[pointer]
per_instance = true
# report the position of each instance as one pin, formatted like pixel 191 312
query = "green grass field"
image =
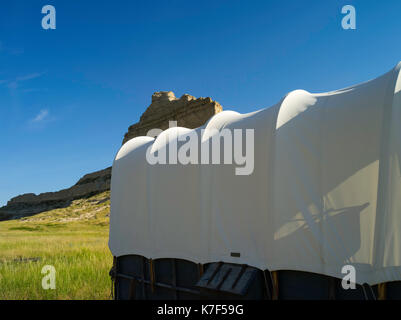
pixel 72 239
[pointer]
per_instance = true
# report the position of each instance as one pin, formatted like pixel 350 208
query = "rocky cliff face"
pixel 29 204
pixel 188 111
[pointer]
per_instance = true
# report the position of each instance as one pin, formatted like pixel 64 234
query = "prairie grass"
pixel 72 239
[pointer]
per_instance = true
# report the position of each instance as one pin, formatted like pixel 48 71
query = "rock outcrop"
pixel 30 203
pixel 188 111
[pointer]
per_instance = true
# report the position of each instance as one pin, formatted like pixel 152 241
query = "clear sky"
pixel 67 96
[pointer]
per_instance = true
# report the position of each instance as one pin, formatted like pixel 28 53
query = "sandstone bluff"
pixel 188 111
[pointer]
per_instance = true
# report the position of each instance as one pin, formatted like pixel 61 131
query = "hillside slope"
pixel 30 204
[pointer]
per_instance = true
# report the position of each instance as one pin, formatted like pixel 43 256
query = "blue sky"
pixel 67 96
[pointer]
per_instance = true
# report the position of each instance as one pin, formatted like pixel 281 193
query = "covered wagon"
pixel 318 196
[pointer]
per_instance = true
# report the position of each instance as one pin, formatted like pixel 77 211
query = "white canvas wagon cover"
pixel 325 190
